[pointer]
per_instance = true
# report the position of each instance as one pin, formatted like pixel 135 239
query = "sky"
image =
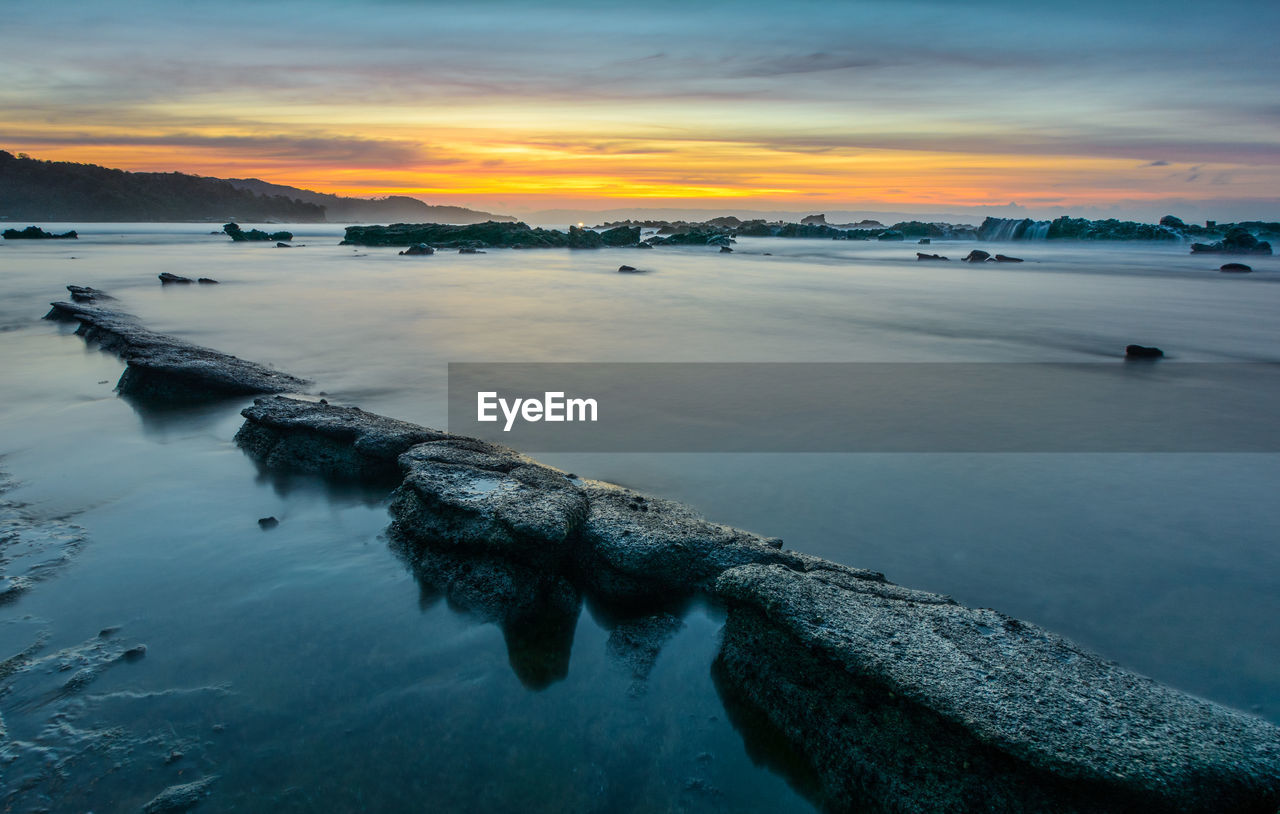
pixel 1095 108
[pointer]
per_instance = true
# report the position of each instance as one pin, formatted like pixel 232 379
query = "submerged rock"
pixel 726 250
pixel 1237 267
pixel 267 523
pixel 625 268
pixel 1004 258
pixel 167 369
pixel 909 701
pixel 207 281
pixel 923 256
pixel 977 256
pixel 420 248
pixel 180 798
pixel 1142 352
pixel 168 278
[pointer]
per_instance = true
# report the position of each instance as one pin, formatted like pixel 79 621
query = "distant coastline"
pixel 59 191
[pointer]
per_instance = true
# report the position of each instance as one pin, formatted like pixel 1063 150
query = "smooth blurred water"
pixel 306 667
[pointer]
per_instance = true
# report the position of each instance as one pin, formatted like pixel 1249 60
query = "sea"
pixel 152 634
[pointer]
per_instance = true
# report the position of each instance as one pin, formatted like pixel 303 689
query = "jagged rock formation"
pixel 899 698
pixel 167 369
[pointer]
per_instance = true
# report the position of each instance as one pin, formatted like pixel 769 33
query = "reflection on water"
pixel 319 664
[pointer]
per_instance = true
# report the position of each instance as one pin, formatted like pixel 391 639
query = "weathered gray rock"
pixel 900 699
pixel 310 436
pixel 167 369
pixel 908 701
pixel 482 498
pixel 647 550
pixel 85 294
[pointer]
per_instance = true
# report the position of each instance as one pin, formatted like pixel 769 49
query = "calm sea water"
pixel 305 666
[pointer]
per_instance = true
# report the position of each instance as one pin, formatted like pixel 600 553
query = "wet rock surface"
pixel 320 437
pixel 889 695
pixel 931 705
pixel 167 369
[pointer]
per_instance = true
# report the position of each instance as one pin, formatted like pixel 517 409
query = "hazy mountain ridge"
pixel 35 190
pixel 393 208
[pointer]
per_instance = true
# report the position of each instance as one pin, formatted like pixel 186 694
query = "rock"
pixel 85 294
pixel 167 278
pixel 726 250
pixel 1237 267
pixel 646 550
pixel 494 503
pixel 977 256
pixel 1004 258
pixel 1142 352
pixel 488 235
pixel 293 435
pixel 923 256
pixel 233 231
pixel 469 250
pixel 898 699
pixel 1237 241
pixel 163 368
pixel 627 268
pixel 266 523
pixel 814 220
pixel 180 798
pixel 36 233
pixel 906 701
pixel 924 241
pixel 135 653
pixel 283 245
pixel 207 281
pixel 419 248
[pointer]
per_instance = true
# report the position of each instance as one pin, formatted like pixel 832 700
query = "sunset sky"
pixel 913 106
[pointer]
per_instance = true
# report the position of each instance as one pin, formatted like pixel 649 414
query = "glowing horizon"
pixel 910 105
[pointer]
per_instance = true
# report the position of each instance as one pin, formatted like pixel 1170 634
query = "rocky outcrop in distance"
pixel 165 369
pixel 1238 240
pixel 233 231
pixel 492 234
pixel 36 233
pixel 897 698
